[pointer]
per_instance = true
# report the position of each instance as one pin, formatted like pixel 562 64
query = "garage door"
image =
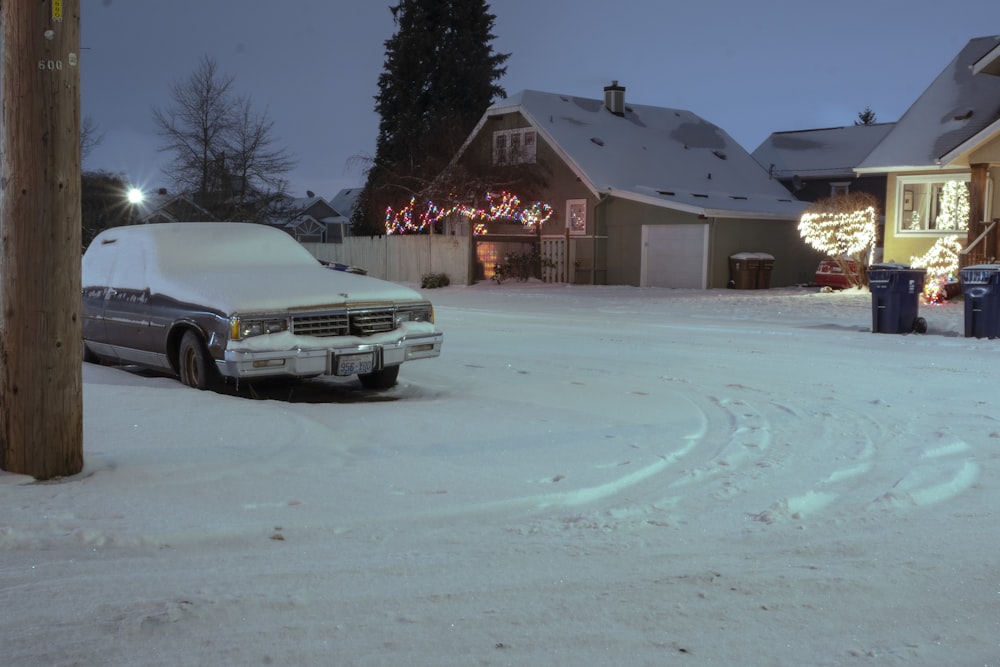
pixel 674 256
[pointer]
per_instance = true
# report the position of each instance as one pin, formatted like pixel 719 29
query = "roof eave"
pixel 989 132
pixel 900 168
pixel 989 63
pixel 698 210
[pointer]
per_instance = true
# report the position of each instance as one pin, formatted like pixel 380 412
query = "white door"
pixel 674 256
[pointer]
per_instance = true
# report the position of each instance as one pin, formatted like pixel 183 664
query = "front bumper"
pixel 312 361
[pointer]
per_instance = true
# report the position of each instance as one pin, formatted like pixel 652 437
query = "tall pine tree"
pixel 440 75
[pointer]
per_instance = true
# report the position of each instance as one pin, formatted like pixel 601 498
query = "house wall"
pixel 814 189
pixel 557 184
pixel 795 262
pixel 989 153
pixel 903 247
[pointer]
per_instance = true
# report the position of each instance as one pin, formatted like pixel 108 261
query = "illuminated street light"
pixel 134 196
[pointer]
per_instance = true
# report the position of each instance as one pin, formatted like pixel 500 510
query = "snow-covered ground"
pixel 586 476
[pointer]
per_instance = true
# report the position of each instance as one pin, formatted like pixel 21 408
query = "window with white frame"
pixel 840 188
pixel 514 146
pixel 932 204
pixel 576 216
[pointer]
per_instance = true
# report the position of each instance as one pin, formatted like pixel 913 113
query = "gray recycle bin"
pixel 981 293
pixel 896 290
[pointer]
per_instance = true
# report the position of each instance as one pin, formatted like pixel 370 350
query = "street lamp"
pixel 134 196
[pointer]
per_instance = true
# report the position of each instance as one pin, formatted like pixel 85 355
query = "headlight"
pixel 423 312
pixel 240 328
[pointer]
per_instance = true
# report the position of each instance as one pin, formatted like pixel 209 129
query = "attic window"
pixel 965 116
pixel 597 140
pixel 719 154
pixel 514 146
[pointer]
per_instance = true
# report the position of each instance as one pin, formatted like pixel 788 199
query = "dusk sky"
pixel 752 68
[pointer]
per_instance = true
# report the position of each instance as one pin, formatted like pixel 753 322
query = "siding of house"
pixel 560 185
pixel 794 263
pixel 903 248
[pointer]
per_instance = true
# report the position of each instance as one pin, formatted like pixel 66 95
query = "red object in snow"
pixel 829 274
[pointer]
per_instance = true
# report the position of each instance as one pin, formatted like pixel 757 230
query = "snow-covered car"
pixel 211 302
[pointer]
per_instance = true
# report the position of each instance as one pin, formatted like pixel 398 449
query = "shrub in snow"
pixel 433 280
pixel 843 227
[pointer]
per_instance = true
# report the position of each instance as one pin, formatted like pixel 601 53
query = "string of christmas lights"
pixel 503 206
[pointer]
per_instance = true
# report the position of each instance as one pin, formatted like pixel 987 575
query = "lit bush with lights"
pixel 843 227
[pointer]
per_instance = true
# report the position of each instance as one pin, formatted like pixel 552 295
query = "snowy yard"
pixel 586 476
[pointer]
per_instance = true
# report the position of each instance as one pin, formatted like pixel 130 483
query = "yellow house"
pixel 947 143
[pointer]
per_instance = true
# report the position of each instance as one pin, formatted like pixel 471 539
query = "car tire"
pixel 383 379
pixel 89 357
pixel 194 364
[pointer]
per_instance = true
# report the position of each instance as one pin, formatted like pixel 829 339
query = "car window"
pixel 115 262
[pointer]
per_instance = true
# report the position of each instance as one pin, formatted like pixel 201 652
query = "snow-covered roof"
pixel 821 153
pixel 663 157
pixel 345 200
pixel 957 107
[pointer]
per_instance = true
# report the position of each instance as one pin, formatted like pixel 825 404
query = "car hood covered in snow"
pixel 231 267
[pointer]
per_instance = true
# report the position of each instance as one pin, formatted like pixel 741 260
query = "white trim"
pixel 570 205
pixel 923 179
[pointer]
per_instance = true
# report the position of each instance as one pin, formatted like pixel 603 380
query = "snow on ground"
pixel 586 476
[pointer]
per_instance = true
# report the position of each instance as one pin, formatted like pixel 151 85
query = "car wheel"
pixel 88 356
pixel 194 363
pixel 382 379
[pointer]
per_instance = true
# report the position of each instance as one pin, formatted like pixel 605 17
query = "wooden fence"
pixel 402 258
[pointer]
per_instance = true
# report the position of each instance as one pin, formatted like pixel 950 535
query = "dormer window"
pixel 514 146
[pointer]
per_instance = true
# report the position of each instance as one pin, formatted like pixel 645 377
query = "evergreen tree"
pixel 440 75
pixel 866 117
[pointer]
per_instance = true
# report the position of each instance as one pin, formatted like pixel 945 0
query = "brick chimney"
pixel 614 98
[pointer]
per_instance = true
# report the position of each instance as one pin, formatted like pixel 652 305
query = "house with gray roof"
pixel 950 134
pixel 820 163
pixel 644 195
pixel 345 201
pixel 312 219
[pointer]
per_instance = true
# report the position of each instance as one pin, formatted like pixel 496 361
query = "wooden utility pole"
pixel 41 401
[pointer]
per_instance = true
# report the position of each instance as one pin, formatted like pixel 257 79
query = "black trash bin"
pixel 743 269
pixel 981 293
pixel 896 290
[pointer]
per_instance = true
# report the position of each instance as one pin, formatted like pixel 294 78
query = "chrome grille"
pixel 320 324
pixel 340 323
pixel 368 322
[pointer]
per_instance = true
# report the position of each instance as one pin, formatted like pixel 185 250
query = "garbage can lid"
pixel 889 266
pixel 751 255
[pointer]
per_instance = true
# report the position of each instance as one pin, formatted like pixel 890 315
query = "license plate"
pixel 353 364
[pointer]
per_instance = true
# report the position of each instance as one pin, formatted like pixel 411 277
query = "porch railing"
pixel 981 251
